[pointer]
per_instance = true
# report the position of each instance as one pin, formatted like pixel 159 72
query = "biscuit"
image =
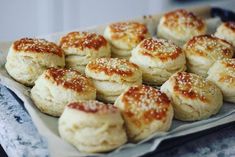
pixel 145 110
pixel 82 47
pixel 28 58
pixel 55 88
pixel 193 97
pixel 222 73
pixel 111 76
pixel 158 60
pixel 92 126
pixel 226 31
pixel 180 26
pixel 124 36
pixel 202 51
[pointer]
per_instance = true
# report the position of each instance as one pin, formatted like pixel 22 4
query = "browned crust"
pixel 83 40
pixel 185 83
pixel 191 20
pixel 111 66
pixel 37 46
pixel 227 78
pixel 69 79
pixel 160 49
pixel 144 104
pixel 120 29
pixel 227 74
pixel 229 63
pixel 92 106
pixel 230 25
pixel 209 42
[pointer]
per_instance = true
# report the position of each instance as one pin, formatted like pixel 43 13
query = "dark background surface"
pixel 2 152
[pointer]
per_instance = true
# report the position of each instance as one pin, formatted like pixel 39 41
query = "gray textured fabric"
pixel 18 135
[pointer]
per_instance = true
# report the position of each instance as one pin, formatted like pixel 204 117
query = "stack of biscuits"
pixel 103 87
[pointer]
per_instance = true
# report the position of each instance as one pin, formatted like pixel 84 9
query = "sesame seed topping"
pixel 112 66
pixel 229 63
pixel 132 30
pixel 70 79
pixel 228 75
pixel 160 48
pixel 183 20
pixel 93 106
pixel 37 46
pixel 209 45
pixel 145 102
pixel 82 40
pixel 192 86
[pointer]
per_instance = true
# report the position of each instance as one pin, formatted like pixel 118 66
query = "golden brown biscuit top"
pixel 160 48
pixel 111 66
pixel 229 63
pixel 70 79
pixel 228 75
pixel 209 45
pixel 37 46
pixel 93 106
pixel 132 29
pixel 192 86
pixel 82 40
pixel 145 104
pixel 181 19
pixel 230 25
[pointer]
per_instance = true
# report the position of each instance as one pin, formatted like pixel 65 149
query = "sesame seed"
pixel 133 30
pixel 113 66
pixel 37 46
pixel 192 86
pixel 183 21
pixel 210 46
pixel 71 79
pixel 93 106
pixel 142 99
pixel 82 40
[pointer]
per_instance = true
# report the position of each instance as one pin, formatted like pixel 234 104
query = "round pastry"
pixel 202 51
pixel 222 73
pixel 180 25
pixel 111 76
pixel 193 97
pixel 226 31
pixel 28 58
pixel 124 36
pixel 145 110
pixel 158 60
pixel 82 47
pixel 55 88
pixel 92 126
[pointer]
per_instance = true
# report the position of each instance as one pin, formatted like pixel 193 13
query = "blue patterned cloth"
pixel 18 135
